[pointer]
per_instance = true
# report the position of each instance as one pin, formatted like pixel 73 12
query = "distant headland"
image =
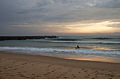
pixel 2 38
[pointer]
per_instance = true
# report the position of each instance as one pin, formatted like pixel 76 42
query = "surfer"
pixel 77 47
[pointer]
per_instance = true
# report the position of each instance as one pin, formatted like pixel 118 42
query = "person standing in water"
pixel 77 46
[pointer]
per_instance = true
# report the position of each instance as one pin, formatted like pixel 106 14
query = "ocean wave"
pixel 103 38
pixel 88 42
pixel 84 38
pixel 32 50
pixel 65 39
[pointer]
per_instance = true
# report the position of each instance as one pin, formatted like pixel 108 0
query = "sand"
pixel 22 66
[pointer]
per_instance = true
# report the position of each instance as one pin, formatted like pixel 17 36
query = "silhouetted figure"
pixel 77 47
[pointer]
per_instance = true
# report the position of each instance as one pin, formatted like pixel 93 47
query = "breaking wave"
pixel 38 51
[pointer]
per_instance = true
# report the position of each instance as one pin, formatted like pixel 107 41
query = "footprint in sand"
pixel 79 72
pixel 65 77
pixel 52 71
pixel 85 71
pixel 73 75
pixel 46 73
pixel 24 63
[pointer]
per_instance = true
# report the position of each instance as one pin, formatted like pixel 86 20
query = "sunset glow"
pixel 59 17
pixel 99 27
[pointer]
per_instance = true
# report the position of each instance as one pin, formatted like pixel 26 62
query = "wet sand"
pixel 22 66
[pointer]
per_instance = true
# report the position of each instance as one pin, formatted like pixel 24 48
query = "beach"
pixel 59 39
pixel 24 66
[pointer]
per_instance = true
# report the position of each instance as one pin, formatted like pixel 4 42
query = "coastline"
pixel 23 66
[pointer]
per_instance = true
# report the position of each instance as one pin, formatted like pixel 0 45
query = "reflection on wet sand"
pixel 104 48
pixel 94 58
pixel 84 57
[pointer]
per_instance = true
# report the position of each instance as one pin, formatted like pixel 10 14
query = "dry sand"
pixel 21 66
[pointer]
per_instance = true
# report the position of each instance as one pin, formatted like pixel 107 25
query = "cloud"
pixel 89 27
pixel 35 12
pixel 52 10
pixel 109 4
pixel 117 25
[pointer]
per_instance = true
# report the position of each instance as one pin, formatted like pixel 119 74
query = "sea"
pixel 102 48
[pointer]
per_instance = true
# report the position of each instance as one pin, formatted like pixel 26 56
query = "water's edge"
pixel 90 55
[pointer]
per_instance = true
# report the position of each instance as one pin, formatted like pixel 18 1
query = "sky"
pixel 59 17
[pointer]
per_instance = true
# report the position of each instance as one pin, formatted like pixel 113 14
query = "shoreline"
pixel 106 59
pixel 43 67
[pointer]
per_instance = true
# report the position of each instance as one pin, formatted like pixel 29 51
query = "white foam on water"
pixel 65 51
pixel 102 42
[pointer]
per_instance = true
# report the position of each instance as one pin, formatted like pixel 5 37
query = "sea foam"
pixel 32 50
